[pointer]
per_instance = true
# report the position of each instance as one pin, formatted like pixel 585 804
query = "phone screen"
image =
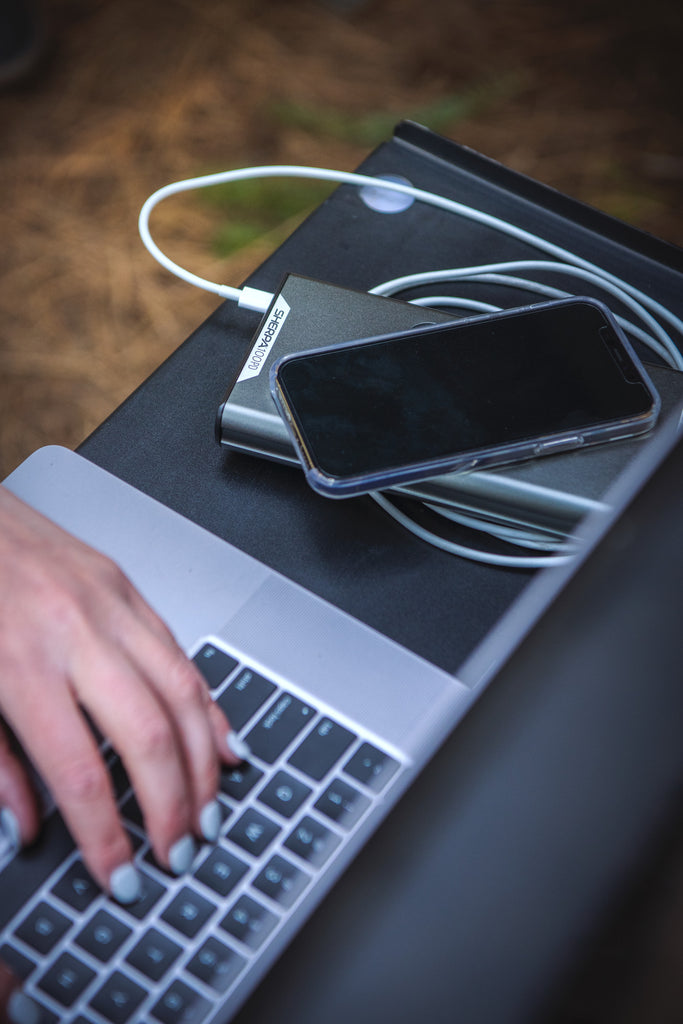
pixel 431 394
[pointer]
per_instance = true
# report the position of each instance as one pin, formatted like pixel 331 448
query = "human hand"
pixel 75 637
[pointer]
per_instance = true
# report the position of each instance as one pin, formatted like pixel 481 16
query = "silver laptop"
pixel 338 717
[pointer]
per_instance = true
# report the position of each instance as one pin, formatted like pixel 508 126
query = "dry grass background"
pixel 582 95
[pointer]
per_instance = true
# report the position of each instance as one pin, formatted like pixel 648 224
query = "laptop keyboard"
pixel 176 954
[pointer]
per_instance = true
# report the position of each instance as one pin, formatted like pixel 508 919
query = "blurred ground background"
pixel 583 95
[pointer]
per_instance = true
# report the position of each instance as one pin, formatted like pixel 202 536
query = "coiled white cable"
pixel 474 555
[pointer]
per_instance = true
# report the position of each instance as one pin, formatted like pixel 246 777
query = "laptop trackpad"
pixel 342 662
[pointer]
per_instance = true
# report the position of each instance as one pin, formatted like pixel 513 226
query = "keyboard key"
pixel 221 871
pixel 216 965
pixel 152 891
pixel 226 811
pixel 322 748
pixel 312 841
pixel 284 794
pixel 37 862
pixel 342 803
pixel 239 782
pixel 245 695
pixel 118 999
pixel 66 979
pixel 180 1004
pixel 43 928
pixel 154 954
pixel 76 887
pixel 131 811
pixel 283 720
pixel 188 912
pixel 103 935
pixel 135 841
pixel 45 1016
pixel 371 766
pixel 282 881
pixel 18 964
pixel 119 777
pixel 253 832
pixel 215 665
pixel 250 922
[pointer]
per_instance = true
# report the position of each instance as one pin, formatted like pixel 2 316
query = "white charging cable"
pixel 651 313
pixel 254 298
pixel 564 553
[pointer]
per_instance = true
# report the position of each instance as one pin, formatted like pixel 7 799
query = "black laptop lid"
pixel 480 890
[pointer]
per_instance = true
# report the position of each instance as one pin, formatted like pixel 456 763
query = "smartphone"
pixel 477 392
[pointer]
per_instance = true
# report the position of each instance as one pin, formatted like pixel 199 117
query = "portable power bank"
pixel 550 495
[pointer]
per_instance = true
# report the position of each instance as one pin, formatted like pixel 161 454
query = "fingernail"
pixel 210 821
pixel 9 828
pixel 125 884
pixel 22 1010
pixel 239 747
pixel 181 855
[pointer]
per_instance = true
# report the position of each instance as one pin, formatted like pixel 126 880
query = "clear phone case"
pixel 335 484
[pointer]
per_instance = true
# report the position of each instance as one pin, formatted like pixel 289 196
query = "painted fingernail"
pixel 22 1010
pixel 210 821
pixel 181 855
pixel 125 884
pixel 9 829
pixel 239 747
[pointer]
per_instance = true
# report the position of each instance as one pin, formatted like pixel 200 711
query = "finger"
pixel 125 705
pixel 230 746
pixel 69 760
pixel 183 694
pixel 181 689
pixel 19 816
pixel 186 700
pixel 206 736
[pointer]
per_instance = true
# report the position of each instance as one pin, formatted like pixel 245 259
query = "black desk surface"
pixel 162 440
